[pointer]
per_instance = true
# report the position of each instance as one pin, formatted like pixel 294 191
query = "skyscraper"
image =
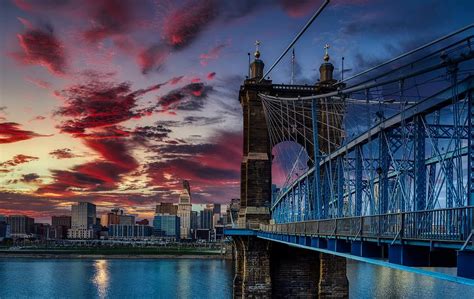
pixel 20 225
pixel 184 211
pixel 207 217
pixel 83 220
pixel 166 208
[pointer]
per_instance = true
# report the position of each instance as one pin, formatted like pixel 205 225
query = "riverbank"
pixel 114 256
pixel 115 253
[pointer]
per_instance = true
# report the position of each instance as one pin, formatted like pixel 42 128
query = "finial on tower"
pixel 257 49
pixel 326 55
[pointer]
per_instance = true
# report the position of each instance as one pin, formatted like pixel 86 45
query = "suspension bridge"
pixel 378 167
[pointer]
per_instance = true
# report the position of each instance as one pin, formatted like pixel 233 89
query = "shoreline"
pixel 112 256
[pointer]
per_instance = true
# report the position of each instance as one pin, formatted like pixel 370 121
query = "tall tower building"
pixel 184 211
pixel 83 215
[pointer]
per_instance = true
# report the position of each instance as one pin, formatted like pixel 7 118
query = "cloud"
pixel 17 160
pixel 190 97
pixel 211 167
pixel 30 178
pixel 153 58
pixel 183 24
pixel 41 47
pixel 63 153
pixel 39 83
pixel 98 104
pixel 212 54
pixel 211 76
pixel 109 18
pixel 11 132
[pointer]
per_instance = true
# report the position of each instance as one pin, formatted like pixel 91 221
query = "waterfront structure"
pixel 21 226
pixel 83 221
pixel 166 208
pixel 203 234
pixel 184 211
pixel 126 231
pixel 168 226
pixel 395 187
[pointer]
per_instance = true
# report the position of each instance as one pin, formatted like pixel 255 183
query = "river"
pixel 187 278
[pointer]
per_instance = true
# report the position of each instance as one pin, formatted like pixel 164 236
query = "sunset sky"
pixel 117 101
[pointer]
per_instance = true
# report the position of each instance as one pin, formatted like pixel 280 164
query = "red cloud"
pixel 18 159
pixel 41 47
pixel 109 17
pixel 153 58
pixel 211 76
pixel 63 153
pixel 213 54
pixel 38 82
pixel 183 24
pixel 11 132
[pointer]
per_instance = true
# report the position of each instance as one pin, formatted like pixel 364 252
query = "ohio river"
pixel 187 278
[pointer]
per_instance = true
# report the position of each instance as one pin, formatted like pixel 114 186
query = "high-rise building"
pixel 20 225
pixel 113 217
pixel 5 231
pixel 184 211
pixel 61 221
pixel 166 208
pixel 126 219
pixel 194 220
pixel 207 217
pixel 217 208
pixel 167 226
pixel 83 221
pixel 83 215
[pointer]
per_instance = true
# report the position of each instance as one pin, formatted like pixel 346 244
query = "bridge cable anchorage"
pixel 297 37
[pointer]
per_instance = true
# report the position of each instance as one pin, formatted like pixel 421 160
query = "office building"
pixel 167 226
pixel 194 220
pixel 126 219
pixel 5 231
pixel 61 221
pixel 184 211
pixel 217 208
pixel 83 215
pixel 21 226
pixel 83 221
pixel 207 216
pixel 126 231
pixel 166 208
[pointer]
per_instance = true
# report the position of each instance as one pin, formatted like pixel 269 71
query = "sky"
pixel 117 101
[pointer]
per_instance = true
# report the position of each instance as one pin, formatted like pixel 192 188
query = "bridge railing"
pixel 451 224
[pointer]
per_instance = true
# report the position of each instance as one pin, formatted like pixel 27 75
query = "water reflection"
pixel 101 277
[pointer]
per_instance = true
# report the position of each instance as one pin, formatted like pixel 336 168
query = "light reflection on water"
pixel 187 278
pixel 101 277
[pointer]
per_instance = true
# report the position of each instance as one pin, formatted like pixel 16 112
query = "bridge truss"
pixel 393 142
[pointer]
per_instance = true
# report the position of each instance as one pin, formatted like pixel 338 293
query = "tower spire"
pixel 256 67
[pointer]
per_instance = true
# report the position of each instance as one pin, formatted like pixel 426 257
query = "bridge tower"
pixel 265 269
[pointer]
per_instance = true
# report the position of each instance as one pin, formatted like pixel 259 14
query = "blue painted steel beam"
pixel 377 262
pixel 358 181
pixel 420 168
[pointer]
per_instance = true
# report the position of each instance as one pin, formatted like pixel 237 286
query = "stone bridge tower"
pixel 264 269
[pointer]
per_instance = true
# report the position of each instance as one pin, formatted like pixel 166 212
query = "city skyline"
pixel 116 103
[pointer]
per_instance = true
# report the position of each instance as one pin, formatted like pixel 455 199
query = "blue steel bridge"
pixel 379 167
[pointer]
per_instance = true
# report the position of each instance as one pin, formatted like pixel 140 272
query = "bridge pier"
pixel 252 268
pixel 265 269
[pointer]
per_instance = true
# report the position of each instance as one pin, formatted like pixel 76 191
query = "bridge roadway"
pixel 398 240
